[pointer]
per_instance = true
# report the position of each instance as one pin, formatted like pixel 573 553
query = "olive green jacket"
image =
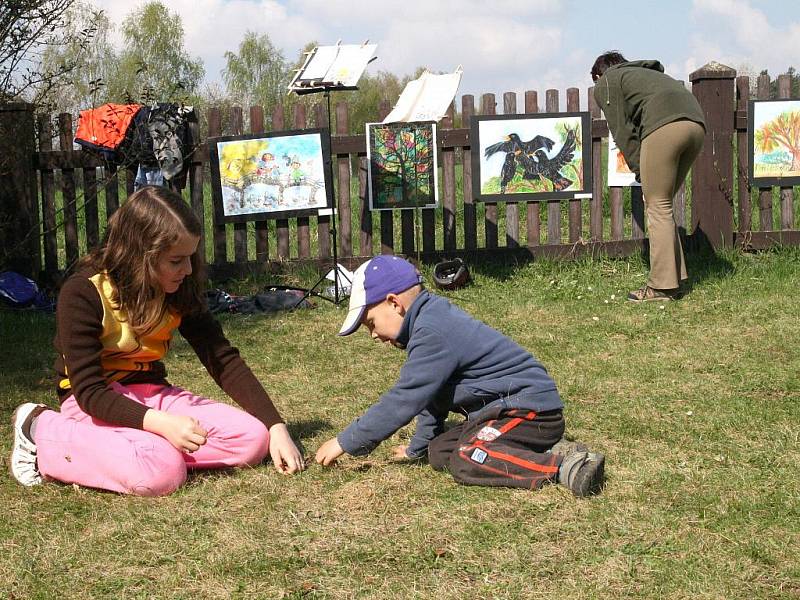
pixel 637 98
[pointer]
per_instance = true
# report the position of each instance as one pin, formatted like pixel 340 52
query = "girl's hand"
pixel 183 432
pixel 329 452
pixel 285 455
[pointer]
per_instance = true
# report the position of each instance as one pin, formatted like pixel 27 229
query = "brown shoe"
pixel 648 294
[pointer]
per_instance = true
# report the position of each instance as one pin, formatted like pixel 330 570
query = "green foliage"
pixel 257 74
pixel 154 66
pixel 28 28
pixel 96 61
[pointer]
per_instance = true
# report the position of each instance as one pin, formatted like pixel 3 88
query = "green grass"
pixel 694 403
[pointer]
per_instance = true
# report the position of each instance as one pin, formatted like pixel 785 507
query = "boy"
pixel 512 435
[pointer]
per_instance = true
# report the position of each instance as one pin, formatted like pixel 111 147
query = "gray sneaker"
pixel 565 446
pixel 23 455
pixel 582 472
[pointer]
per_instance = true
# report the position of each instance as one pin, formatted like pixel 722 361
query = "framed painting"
pixel 619 173
pixel 531 157
pixel 270 175
pixel 773 132
pixel 402 169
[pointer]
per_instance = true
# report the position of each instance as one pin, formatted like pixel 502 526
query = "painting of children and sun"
pixel 270 175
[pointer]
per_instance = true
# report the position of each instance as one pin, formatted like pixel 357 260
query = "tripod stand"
pixel 334 242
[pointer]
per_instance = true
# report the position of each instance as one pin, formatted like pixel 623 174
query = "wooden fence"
pixel 605 223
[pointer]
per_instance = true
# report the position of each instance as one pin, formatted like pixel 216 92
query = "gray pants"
pixel 666 156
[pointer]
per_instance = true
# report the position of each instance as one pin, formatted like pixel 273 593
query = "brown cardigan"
pixel 81 354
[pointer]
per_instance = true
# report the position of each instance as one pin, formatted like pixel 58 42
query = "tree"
pixel 403 165
pixel 96 61
pixel 27 29
pixel 258 74
pixel 781 132
pixel 154 66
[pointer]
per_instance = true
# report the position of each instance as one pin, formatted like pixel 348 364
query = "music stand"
pixel 327 69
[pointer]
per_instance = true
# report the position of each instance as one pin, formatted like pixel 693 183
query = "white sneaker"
pixel 23 455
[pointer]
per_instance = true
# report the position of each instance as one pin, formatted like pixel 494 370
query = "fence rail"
pixel 77 192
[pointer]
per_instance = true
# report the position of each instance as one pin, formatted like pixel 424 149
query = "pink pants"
pixel 74 447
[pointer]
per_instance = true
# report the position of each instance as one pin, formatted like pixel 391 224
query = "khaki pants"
pixel 666 156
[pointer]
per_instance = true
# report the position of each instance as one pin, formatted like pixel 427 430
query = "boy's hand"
pixel 399 453
pixel 285 455
pixel 329 452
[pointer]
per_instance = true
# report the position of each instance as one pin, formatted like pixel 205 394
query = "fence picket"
pixel 575 215
pixel 281 225
pixel 534 209
pixel 490 215
pixel 764 194
pixel 449 186
pixel 195 185
pixel 69 199
pixel 596 203
pixel 48 198
pixel 303 240
pixel 343 163
pixel 512 208
pixel 220 242
pixel 262 225
pixel 239 229
pixel 742 153
pixel 470 216
pixel 554 206
pixel 786 192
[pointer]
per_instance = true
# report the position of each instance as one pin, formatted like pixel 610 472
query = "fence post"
pixel 712 175
pixel 19 211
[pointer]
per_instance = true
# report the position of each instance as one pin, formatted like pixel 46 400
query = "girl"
pixel 122 426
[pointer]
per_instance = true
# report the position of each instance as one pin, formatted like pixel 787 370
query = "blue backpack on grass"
pixel 17 291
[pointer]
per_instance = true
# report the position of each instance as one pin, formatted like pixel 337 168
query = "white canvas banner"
pixel 426 98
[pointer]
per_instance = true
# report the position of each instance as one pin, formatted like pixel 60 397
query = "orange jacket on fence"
pixel 105 127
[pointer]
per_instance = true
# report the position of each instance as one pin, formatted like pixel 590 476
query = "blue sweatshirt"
pixel 455 363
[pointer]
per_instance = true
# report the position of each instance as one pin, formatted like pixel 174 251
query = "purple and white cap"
pixel 372 281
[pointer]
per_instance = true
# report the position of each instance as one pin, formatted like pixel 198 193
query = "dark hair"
pixel 139 232
pixel 605 60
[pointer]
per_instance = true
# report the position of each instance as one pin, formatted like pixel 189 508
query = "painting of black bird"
pixel 513 146
pixel 538 164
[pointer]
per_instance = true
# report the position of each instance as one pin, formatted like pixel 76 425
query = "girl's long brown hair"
pixel 146 226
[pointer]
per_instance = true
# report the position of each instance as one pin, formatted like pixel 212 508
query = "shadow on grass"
pixel 307 428
pixel 703 264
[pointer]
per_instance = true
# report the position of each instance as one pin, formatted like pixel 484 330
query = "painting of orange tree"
pixel 776 141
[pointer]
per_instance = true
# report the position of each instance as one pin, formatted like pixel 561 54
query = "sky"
pixel 502 45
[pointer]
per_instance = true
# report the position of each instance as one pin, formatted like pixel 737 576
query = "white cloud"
pixel 735 32
pixel 504 45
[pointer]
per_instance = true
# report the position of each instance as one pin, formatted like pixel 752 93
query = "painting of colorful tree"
pixel 776 139
pixel 402 165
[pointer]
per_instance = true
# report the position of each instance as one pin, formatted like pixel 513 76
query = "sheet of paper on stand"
pixel 345 279
pixel 339 66
pixel 427 98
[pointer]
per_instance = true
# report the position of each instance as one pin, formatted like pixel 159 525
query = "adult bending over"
pixel 659 128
